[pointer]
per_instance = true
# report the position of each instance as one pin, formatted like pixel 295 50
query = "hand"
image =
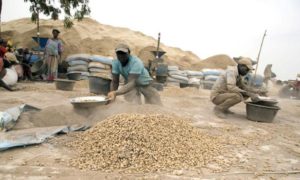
pixel 254 98
pixel 262 92
pixel 111 95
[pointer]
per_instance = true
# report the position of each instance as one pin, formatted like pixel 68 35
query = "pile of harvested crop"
pixel 144 143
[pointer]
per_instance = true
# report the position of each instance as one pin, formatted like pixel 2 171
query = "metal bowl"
pixel 266 101
pixel 89 101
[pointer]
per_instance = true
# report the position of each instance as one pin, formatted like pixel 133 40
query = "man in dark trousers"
pixel 137 78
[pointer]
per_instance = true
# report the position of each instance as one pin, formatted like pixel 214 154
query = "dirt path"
pixel 254 150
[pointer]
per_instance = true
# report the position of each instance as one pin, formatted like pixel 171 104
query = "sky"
pixel 206 27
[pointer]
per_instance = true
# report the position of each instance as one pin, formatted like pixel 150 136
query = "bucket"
pixel 64 84
pixel 161 79
pixel 183 85
pixel 162 69
pixel 38 67
pixel 74 76
pixel 261 113
pixel 99 85
pixel 197 86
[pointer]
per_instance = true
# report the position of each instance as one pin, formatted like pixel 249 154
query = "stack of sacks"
pixel 256 81
pixel 78 63
pixel 211 74
pixel 194 81
pixel 177 76
pixel 100 66
pixel 195 77
pixel 210 77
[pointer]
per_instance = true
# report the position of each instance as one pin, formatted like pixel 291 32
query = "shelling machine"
pixel 158 69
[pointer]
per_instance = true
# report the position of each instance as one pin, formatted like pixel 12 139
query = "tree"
pixel 73 9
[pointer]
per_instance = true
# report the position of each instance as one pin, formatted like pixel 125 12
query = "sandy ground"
pixel 254 150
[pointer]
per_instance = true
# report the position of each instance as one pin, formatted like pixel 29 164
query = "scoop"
pixel 89 101
pixel 267 101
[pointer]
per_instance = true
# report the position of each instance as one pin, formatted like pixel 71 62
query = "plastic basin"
pixel 74 76
pixel 99 85
pixel 38 67
pixel 261 113
pixel 183 85
pixel 64 84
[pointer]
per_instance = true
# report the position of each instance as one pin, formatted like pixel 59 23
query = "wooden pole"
pixel 158 43
pixel 257 59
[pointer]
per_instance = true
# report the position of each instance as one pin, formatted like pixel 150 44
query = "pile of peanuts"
pixel 144 143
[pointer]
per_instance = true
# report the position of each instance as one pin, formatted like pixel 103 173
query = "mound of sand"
pixel 144 143
pixel 89 36
pixel 146 55
pixel 215 62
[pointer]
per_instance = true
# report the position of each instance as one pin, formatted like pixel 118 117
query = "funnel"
pixel 159 53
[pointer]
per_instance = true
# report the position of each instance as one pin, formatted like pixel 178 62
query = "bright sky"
pixel 206 27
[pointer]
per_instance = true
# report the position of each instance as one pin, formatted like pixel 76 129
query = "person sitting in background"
pixel 230 90
pixel 3 49
pixel 53 52
pixel 10 56
pixel 137 78
pixel 268 74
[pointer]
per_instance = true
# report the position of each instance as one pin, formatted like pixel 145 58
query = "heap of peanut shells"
pixel 144 143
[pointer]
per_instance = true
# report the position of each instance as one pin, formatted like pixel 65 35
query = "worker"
pixel 267 73
pixel 137 78
pixel 230 90
pixel 3 47
pixel 53 52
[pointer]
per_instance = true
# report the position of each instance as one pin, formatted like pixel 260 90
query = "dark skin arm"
pixel 4 85
pixel 129 86
pixel 115 82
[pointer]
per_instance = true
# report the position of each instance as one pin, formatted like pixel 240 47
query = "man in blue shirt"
pixel 137 78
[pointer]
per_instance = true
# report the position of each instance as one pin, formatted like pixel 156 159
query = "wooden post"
pixel 257 59
pixel 158 43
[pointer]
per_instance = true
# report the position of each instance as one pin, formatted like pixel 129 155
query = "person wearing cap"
pixel 230 90
pixel 53 52
pixel 137 78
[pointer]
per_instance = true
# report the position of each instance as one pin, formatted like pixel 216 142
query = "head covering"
pixel 55 30
pixel 123 48
pixel 247 62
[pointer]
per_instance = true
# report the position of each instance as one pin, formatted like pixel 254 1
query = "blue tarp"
pixel 33 58
pixel 32 136
pixel 43 42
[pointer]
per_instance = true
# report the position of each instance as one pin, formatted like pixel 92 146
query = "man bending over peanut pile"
pixel 137 78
